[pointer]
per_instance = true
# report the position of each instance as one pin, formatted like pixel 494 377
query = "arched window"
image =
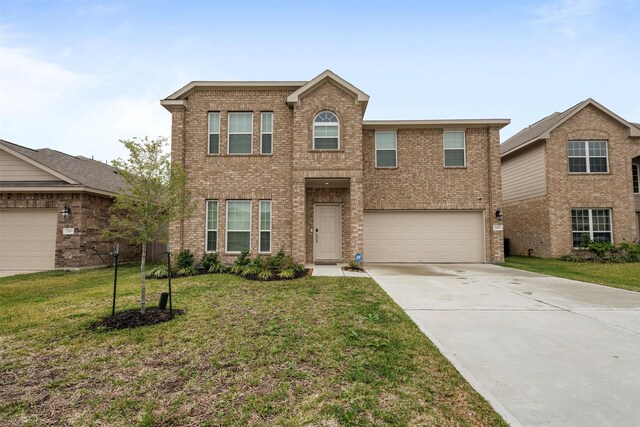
pixel 326 131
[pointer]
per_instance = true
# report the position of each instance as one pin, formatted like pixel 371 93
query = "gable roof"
pixel 73 171
pixel 542 128
pixel 323 77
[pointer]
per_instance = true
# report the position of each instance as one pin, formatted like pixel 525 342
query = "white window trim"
pixel 226 234
pixel 260 230
pixel 636 168
pixel 209 133
pixel 229 133
pixel 321 124
pixel 207 229
pixel 590 210
pixel 587 155
pixel 375 149
pixel 464 147
pixel 262 132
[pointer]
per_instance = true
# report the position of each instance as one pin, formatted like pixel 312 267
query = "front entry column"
pixel 357 217
pixel 298 223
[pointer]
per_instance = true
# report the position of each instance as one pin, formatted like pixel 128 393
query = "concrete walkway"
pixel 542 350
pixel 334 270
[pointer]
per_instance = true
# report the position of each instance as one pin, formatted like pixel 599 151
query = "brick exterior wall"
pixel 422 182
pixel 530 225
pixel 89 218
pixel 282 177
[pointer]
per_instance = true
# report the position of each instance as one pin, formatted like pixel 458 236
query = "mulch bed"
pixel 133 319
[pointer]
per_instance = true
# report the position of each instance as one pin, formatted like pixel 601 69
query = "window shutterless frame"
pixel 579 213
pixel 635 174
pixel 211 229
pixel 264 228
pixel 379 143
pixel 247 230
pixel 214 133
pixel 266 132
pixel 454 148
pixel 232 117
pixel 584 150
pixel 325 125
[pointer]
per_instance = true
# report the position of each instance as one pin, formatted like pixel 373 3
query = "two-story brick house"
pixel 294 165
pixel 569 178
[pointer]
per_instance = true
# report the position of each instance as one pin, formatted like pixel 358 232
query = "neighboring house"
pixel 570 178
pixel 293 165
pixel 36 187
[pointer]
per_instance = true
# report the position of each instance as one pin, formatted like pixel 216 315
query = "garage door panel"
pixel 27 239
pixel 424 236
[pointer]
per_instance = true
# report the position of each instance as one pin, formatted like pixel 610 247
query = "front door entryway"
pixel 326 230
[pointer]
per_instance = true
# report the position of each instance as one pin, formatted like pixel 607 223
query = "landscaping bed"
pixel 134 318
pixel 311 351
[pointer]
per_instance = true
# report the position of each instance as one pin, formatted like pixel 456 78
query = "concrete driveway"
pixel 542 350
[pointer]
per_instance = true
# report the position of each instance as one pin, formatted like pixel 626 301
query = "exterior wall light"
pixel 66 212
pixel 499 215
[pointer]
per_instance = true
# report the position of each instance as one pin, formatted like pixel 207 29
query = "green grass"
pixel 313 351
pixel 617 275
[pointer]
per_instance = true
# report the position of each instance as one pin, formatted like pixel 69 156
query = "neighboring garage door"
pixel 27 239
pixel 423 236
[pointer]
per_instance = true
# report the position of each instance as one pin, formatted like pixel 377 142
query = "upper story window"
pixel 635 170
pixel 240 133
pixel 214 133
pixel 588 156
pixel 386 149
pixel 454 149
pixel 326 131
pixel 266 133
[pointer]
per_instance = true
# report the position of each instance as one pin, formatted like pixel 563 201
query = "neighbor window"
pixel 265 225
pixel 214 133
pixel 454 154
pixel 212 226
pixel 635 171
pixel 326 131
pixel 386 149
pixel 590 224
pixel 588 156
pixel 238 225
pixel 266 133
pixel 240 133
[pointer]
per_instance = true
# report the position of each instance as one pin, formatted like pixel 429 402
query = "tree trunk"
pixel 143 286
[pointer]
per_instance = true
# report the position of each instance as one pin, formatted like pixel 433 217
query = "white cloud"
pixel 568 17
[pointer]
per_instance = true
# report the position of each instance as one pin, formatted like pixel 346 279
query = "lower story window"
pixel 590 224
pixel 212 226
pixel 265 226
pixel 238 225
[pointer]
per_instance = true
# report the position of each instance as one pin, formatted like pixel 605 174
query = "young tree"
pixel 154 194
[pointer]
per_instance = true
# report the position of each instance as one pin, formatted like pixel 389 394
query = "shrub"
pixel 211 263
pixel 280 266
pixel 159 272
pixel 606 252
pixel 186 271
pixel 355 265
pixel 600 248
pixel 185 259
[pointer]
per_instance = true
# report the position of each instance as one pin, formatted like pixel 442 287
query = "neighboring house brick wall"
pixel 89 218
pixel 526 225
pixel 612 190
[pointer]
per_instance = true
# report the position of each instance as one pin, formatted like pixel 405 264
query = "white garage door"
pixel 423 236
pixel 27 239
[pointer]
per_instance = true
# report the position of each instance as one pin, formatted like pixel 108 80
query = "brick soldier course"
pixel 293 176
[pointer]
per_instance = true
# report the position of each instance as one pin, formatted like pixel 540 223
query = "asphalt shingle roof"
pixel 87 172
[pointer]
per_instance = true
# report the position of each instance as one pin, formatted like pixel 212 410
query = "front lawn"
pixel 312 351
pixel 617 275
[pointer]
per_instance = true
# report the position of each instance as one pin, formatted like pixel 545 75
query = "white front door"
pixel 326 231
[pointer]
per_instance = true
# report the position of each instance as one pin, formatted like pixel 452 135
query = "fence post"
pixel 115 254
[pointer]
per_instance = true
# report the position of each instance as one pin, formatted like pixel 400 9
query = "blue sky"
pixel 77 76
